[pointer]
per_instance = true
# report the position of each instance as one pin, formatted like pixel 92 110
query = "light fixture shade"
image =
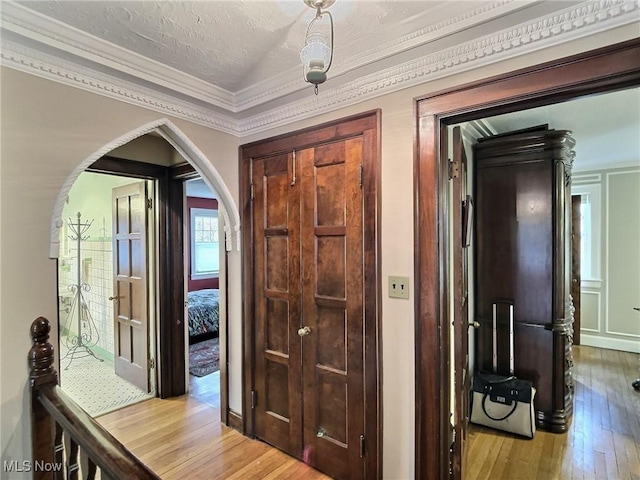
pixel 316 57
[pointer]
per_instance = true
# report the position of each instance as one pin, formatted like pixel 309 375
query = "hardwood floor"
pixel 182 438
pixel 603 441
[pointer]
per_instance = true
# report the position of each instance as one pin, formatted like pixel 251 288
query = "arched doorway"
pixel 169 276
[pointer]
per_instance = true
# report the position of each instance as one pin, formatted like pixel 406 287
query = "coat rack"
pixel 79 344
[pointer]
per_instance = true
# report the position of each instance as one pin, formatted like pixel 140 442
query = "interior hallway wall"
pixel 48 129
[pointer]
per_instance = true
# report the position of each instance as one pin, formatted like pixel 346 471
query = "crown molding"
pixel 569 24
pixel 291 81
pixel 563 26
pixel 35 26
pixel 29 60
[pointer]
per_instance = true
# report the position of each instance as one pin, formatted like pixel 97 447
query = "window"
pixel 586 233
pixel 205 245
pixel 590 230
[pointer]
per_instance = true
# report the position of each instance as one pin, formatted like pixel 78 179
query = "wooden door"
pixel 462 210
pixel 131 313
pixel 278 370
pixel 576 201
pixel 332 307
pixel 308 272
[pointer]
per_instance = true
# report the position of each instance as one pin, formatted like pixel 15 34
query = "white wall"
pixel 91 196
pixel 610 293
pixel 397 237
pixel 48 129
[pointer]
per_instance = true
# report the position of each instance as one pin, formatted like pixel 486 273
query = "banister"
pixel 50 405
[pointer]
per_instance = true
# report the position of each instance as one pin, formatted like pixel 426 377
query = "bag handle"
pixel 484 409
pixel 502 380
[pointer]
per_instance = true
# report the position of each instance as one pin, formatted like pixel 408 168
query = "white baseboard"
pixel 610 343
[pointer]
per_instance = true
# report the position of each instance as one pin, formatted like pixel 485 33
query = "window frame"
pixel 203 212
pixel 593 194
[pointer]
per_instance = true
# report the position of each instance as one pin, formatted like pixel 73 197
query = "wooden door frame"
pixel 169 215
pixel 615 67
pixel 328 132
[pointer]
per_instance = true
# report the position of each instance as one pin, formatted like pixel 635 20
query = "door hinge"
pixel 253 191
pixel 149 203
pixel 361 174
pixel 361 446
pixel 454 169
pixel 152 363
pixel 293 177
pixel 253 399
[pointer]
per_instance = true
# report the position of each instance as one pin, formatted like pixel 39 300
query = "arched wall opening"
pixel 186 148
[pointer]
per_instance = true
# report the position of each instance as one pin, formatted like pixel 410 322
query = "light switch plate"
pixel 398 287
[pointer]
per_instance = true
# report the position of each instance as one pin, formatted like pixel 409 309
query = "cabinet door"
pixel 515 263
pixel 332 284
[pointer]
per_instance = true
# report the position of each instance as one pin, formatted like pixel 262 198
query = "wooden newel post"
pixel 42 376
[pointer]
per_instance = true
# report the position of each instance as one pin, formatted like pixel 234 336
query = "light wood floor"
pixel 603 441
pixel 182 437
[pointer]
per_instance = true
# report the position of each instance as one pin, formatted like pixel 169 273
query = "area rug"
pixel 204 357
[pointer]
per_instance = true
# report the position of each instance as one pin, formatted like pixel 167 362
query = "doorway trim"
pixel 189 152
pixel 606 69
pixel 335 130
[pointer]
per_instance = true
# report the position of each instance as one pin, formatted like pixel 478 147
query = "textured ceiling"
pixel 606 127
pixel 239 43
pixel 233 65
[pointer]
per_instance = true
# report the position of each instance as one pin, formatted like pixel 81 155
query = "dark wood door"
pixel 462 209
pixel 576 239
pixel 277 304
pixel 308 268
pixel 131 313
pixel 332 286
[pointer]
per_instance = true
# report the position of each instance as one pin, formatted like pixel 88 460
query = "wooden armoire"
pixel 523 263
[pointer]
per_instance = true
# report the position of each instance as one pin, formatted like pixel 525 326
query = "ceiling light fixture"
pixel 317 53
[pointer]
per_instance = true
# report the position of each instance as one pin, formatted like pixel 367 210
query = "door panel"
pixel 461 212
pixel 332 274
pixel 308 272
pixel 131 313
pixel 277 304
pixel 575 264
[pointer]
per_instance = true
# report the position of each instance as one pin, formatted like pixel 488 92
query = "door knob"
pixel 304 331
pixel 114 298
pixel 474 324
pixel 321 432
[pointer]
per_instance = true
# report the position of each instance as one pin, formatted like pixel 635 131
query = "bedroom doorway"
pixel 204 262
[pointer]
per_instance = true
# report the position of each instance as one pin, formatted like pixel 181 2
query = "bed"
pixel 203 310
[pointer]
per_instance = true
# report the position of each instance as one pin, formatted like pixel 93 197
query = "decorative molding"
pixel 609 166
pixel 607 284
pixel 31 24
pixel 183 145
pixel 586 178
pixel 566 25
pixel 569 24
pixel 598 313
pixel 610 343
pixel 479 129
pixel 29 60
pixel 235 421
pixel 291 81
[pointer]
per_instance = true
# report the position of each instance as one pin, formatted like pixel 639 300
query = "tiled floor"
pixel 94 385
